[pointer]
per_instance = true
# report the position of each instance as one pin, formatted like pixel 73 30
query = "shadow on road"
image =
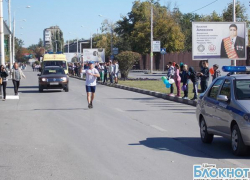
pixel 192 146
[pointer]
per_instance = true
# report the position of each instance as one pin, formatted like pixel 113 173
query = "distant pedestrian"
pixel 216 71
pixel 3 74
pixel 177 79
pixel 193 76
pixel 116 71
pixel 91 75
pixel 105 79
pixel 17 75
pixel 204 76
pixel 170 75
pixel 111 70
pixel 184 79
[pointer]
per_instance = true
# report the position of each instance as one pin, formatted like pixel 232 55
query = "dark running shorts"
pixel 90 89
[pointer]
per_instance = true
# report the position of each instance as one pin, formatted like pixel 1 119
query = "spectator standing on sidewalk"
pixel 216 71
pixel 3 74
pixel 91 75
pixel 193 76
pixel 177 79
pixel 17 75
pixel 116 71
pixel 111 70
pixel 105 79
pixel 170 75
pixel 184 79
pixel 204 76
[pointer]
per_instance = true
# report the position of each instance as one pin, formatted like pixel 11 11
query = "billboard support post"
pixel 234 20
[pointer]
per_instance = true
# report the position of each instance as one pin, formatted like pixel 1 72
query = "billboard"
pixel 47 35
pixel 97 55
pixel 223 40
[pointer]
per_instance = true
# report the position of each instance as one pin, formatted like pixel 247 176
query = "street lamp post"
pixel 76 44
pixel 152 37
pixel 1 34
pixel 10 45
pixel 13 58
pixel 56 44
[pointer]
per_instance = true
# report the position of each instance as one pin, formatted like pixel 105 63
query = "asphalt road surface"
pixel 126 136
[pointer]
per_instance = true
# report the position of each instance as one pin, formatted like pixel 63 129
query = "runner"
pixel 91 75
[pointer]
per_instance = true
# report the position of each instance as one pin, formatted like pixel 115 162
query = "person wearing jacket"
pixel 192 75
pixel 204 76
pixel 216 71
pixel 177 79
pixel 170 75
pixel 3 74
pixel 17 75
pixel 184 79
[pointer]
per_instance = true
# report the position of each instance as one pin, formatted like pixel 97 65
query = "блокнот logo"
pixel 209 171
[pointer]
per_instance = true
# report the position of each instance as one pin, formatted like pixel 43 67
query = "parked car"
pixel 224 110
pixel 53 77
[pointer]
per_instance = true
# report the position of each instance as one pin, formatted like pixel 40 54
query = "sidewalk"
pixel 9 91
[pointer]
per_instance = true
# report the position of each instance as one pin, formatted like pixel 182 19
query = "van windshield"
pixel 56 63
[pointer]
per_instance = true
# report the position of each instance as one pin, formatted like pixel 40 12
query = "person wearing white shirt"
pixel 116 71
pixel 91 75
pixel 111 71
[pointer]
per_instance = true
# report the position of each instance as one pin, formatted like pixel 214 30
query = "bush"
pixel 126 60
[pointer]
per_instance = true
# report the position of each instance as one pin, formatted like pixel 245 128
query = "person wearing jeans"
pixel 3 74
pixel 17 75
pixel 184 79
pixel 192 75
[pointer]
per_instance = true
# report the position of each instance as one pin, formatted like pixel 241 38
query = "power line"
pixel 204 6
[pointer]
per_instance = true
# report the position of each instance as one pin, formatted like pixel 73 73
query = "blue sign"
pixel 163 51
pixel 112 57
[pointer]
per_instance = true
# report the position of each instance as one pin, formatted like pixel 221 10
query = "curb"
pixel 147 92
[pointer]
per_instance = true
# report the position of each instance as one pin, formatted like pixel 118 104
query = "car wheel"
pixel 40 89
pixel 66 89
pixel 238 146
pixel 205 137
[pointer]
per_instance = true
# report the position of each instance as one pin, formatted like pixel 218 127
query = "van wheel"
pixel 205 137
pixel 66 89
pixel 238 146
pixel 40 89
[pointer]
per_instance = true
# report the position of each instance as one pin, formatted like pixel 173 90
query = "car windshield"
pixel 53 71
pixel 242 89
pixel 56 63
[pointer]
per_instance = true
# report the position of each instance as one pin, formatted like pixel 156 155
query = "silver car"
pixel 224 110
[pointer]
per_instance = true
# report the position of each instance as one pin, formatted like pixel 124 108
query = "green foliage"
pixel 240 10
pixel 126 60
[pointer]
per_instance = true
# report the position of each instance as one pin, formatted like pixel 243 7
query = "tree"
pixel 240 11
pixel 126 60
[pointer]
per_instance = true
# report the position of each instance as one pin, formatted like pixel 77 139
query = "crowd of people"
pixel 183 74
pixel 108 70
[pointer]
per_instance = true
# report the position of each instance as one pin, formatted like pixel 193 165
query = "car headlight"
pixel 64 79
pixel 246 117
pixel 44 79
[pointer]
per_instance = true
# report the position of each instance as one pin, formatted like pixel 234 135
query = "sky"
pixel 70 15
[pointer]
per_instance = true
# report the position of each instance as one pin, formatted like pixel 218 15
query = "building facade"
pixel 53 39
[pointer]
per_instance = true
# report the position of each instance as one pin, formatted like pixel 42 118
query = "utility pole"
pixel 234 20
pixel 10 45
pixel 151 51
pixel 1 34
pixel 13 39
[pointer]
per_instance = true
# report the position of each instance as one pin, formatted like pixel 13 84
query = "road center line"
pixel 158 128
pixel 119 110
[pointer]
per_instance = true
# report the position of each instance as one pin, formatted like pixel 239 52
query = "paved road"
pixel 127 136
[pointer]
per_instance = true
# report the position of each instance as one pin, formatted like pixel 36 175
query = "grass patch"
pixel 157 86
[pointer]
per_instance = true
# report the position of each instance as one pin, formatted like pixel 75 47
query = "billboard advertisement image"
pixel 223 40
pixel 97 55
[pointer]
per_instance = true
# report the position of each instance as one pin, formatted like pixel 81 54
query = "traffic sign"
pixel 163 51
pixel 112 57
pixel 115 51
pixel 156 46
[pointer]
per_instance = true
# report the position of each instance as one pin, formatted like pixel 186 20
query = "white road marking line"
pixel 12 97
pixel 118 109
pixel 158 128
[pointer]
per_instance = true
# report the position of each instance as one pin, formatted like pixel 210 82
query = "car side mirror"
pixel 38 74
pixel 222 98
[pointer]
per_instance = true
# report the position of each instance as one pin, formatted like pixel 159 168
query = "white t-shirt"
pixel 90 80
